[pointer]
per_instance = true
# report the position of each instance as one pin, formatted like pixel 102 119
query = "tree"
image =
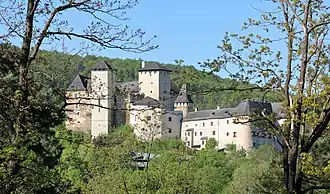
pixel 299 74
pixel 211 143
pixel 28 146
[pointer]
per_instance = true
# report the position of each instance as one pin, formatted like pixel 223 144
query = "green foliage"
pixel 211 143
pixel 107 167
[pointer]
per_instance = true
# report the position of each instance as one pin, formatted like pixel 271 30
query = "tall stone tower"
pixel 183 102
pixel 103 81
pixel 155 82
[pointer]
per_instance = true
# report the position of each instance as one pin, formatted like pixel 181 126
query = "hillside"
pixel 204 88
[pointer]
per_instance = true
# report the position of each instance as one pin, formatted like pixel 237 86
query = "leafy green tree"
pixel 211 143
pixel 29 150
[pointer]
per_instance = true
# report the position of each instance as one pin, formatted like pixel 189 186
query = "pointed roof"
pixel 103 66
pixel 79 83
pixel 183 97
pixel 154 67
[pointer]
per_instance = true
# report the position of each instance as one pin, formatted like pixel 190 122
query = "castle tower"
pixel 103 81
pixel 155 82
pixel 183 102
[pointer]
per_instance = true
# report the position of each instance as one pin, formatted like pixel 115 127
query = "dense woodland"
pixel 208 90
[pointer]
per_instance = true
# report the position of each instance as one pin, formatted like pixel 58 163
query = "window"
pixel 227 121
pixel 188 143
pixel 211 123
pixel 195 133
pixel 164 91
pixel 234 134
pixel 169 118
pixel 200 133
pixel 142 129
pixel 186 125
pixel 77 106
pixel 148 118
pixel 151 82
pixel 203 124
pixel 195 125
pixel 99 109
pixel 227 134
pixel 185 134
pixel 188 133
pixel 202 142
pixel 254 144
pixel 213 132
pixel 169 130
pixel 150 91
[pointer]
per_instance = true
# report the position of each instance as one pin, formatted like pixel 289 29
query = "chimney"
pixel 196 109
pixel 143 64
pixel 218 107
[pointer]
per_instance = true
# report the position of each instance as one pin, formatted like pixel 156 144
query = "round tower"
pixel 183 102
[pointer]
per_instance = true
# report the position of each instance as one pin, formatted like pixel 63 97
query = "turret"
pixel 183 102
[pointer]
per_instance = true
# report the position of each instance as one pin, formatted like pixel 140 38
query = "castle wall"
pixel 79 115
pixel 154 123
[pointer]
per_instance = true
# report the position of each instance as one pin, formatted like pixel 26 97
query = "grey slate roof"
pixel 103 66
pixel 79 83
pixel 147 101
pixel 183 97
pixel 245 108
pixel 129 86
pixel 154 67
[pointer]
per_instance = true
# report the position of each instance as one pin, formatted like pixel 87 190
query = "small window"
pixel 164 91
pixel 188 133
pixel 195 125
pixel 213 132
pixel 99 109
pixel 227 134
pixel 185 134
pixel 254 144
pixel 200 133
pixel 234 134
pixel 169 130
pixel 227 121
pixel 77 106
pixel 186 125
pixel 188 143
pixel 211 123
pixel 169 118
pixel 195 133
pixel 151 82
pixel 203 124
pixel 148 118
pixel 150 91
pixel 143 129
pixel 202 142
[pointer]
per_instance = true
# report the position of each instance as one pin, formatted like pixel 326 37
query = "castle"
pixel 155 107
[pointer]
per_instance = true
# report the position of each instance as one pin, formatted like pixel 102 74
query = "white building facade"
pixel 226 126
